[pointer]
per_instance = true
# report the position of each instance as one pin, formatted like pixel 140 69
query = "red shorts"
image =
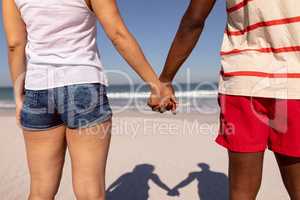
pixel 252 124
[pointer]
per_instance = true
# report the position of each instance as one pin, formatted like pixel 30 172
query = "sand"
pixel 173 145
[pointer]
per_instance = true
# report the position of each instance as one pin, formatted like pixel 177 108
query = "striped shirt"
pixel 261 49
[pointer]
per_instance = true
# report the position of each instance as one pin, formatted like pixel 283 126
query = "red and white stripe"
pixel 263 50
pixel 261 42
pixel 238 6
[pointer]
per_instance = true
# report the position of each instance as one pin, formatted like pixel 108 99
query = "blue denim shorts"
pixel 75 106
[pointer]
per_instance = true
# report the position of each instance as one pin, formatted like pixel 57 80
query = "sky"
pixel 154 24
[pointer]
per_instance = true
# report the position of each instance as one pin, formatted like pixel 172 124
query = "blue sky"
pixel 154 24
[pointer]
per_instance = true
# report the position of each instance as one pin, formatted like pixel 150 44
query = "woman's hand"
pixel 19 93
pixel 19 106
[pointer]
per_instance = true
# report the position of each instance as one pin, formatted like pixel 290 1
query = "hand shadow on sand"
pixel 135 185
pixel 211 185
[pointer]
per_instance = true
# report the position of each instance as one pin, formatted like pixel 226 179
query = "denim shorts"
pixel 75 106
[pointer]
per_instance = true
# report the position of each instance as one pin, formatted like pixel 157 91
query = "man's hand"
pixel 163 99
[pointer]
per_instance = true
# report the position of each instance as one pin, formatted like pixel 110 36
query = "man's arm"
pixel 188 34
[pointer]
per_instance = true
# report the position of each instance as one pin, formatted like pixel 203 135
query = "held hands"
pixel 173 193
pixel 162 98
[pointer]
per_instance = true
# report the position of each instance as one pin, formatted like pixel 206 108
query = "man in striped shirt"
pixel 259 87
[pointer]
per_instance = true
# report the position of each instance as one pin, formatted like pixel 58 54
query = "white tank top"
pixel 61 44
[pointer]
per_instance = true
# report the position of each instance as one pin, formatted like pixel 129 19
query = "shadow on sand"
pixel 135 185
pixel 211 185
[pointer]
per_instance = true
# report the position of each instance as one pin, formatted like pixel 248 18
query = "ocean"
pixel 194 97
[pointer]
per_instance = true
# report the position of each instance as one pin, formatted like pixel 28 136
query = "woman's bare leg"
pixel 45 155
pixel 88 151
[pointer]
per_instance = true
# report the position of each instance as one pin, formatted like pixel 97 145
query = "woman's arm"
pixel 16 40
pixel 109 17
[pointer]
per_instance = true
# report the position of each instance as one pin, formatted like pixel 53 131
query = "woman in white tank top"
pixel 57 73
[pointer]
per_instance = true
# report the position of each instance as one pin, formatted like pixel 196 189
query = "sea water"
pixel 195 97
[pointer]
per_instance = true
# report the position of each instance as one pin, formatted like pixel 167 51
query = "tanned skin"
pixel 16 41
pixel 245 169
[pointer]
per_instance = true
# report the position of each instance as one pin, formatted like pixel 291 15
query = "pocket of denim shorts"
pixel 36 101
pixel 87 97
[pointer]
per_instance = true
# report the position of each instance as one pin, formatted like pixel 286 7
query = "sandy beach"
pixel 173 146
